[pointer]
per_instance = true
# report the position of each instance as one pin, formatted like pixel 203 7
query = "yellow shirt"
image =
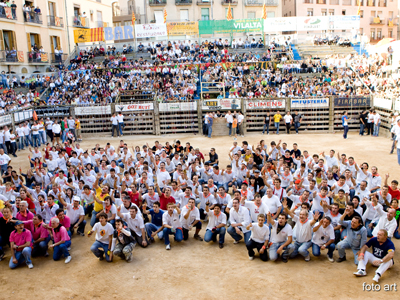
pixel 1 204
pixel 97 206
pixel 277 118
pixel 77 124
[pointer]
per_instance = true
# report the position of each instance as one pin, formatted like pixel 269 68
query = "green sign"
pixel 225 26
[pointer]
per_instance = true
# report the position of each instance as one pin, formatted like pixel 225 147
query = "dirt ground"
pixel 194 269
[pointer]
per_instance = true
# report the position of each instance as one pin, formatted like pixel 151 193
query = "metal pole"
pixel 212 14
pixel 66 22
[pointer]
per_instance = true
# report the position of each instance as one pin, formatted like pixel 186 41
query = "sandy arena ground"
pixel 197 270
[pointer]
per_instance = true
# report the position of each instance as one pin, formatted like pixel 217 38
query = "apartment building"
pixel 379 18
pixel 37 33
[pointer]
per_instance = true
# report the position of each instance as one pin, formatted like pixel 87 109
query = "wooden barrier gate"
pixel 180 117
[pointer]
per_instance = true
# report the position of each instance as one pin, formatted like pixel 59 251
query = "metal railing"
pixel 183 2
pixel 38 57
pixel 231 2
pixel 204 2
pixel 8 56
pixel 376 21
pixel 261 2
pixel 82 22
pixel 32 17
pixel 8 13
pixel 370 2
pixel 382 3
pixel 334 2
pixel 56 58
pixel 157 2
pixel 55 21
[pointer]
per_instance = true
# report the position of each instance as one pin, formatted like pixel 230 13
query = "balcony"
pixel 308 1
pixel 392 23
pixel 55 21
pixel 183 2
pixel 204 2
pixel 102 24
pixel 334 2
pixel 382 3
pixel 231 2
pixel 370 2
pixel 8 56
pixel 82 22
pixel 321 2
pixel 346 2
pixel 157 2
pixel 376 21
pixel 358 3
pixel 32 17
pixel 8 13
pixel 56 58
pixel 38 57
pixel 261 2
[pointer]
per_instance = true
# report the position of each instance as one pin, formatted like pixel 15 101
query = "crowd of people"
pixel 280 201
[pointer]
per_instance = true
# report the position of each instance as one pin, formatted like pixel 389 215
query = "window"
pixel 380 14
pixel 205 14
pixel 310 12
pixel 361 14
pixel 390 33
pixel 373 13
pixel 271 14
pixel 331 12
pixel 226 12
pixel 127 23
pixel 99 19
pixel 379 34
pixel 55 43
pixel 343 12
pixel 77 11
pixel 33 38
pixel 8 40
pixel 251 15
pixel 118 24
pixel 372 33
pixel 390 15
pixel 323 12
pixel 52 9
pixel 184 14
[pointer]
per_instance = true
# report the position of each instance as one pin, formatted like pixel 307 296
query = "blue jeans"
pixel 230 128
pixel 21 143
pixel 238 237
pixel 209 235
pixel 99 253
pixel 209 130
pixel 64 135
pixel 301 248
pixel 342 246
pixel 369 230
pixel 178 235
pixel 226 185
pixel 346 129
pixel 376 129
pixel 21 256
pixel 273 255
pixel 297 126
pixel 276 124
pixel 396 234
pixel 316 250
pixel 42 135
pixel 266 126
pixel 398 156
pixel 150 228
pixel 120 126
pixel 28 140
pixel 362 129
pixel 36 140
pixel 61 250
pixel 93 218
pixel 3 168
pixel 41 248
pixel 3 146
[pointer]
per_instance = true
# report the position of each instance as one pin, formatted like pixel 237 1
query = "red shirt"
pixel 134 198
pixel 394 193
pixel 164 201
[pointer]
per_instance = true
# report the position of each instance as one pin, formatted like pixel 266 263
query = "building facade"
pixel 37 33
pixel 379 18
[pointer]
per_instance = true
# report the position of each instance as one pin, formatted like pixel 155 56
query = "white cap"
pixel 76 198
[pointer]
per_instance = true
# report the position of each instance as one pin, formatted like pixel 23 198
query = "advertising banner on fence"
pixel 52 111
pixel 5 120
pixel 383 103
pixel 353 101
pixel 134 107
pixel 279 24
pixel 183 28
pixel 316 102
pixel 267 104
pixel 344 22
pixel 219 104
pixel 93 110
pixel 179 106
pixel 312 23
pixel 23 115
pixel 150 30
pixel 225 26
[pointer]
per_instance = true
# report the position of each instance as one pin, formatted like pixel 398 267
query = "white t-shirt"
pixel 272 203
pixel 256 210
pixel 259 234
pixel 323 235
pixel 4 159
pixel 103 232
pixel 288 118
pixel 114 120
pixel 282 236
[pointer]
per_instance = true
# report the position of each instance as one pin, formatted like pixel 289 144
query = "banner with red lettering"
pixel 265 104
pixel 134 107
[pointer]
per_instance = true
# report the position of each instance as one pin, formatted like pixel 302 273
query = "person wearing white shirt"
pixel 362 191
pixel 362 173
pixel 255 207
pixel 190 217
pixel 377 123
pixel 258 238
pixel 121 125
pixel 76 215
pixel 136 225
pixel 216 225
pixel 229 121
pixel 331 160
pixel 114 122
pixel 281 238
pixel 272 202
pixel 4 161
pixel 302 232
pixel 104 233
pixel 239 218
pixel 386 220
pixel 172 225
pixel 20 134
pixel 288 121
pixel 323 238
